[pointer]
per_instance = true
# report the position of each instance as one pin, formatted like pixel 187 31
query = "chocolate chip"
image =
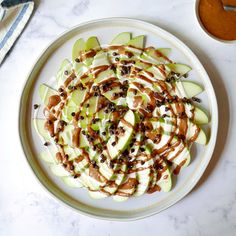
pixel 195 99
pixel 73 113
pixel 113 67
pixel 117 59
pixel 130 166
pixel 87 105
pixel 111 165
pixel 132 150
pixel 113 143
pixel 167 108
pixel 142 162
pixel 46 143
pixel 76 176
pixel 142 149
pixel 115 54
pixel 103 158
pixel 60 90
pixel 66 72
pixel 49 122
pixel 104 133
pixel 36 106
pixel 83 132
pixel 77 60
pixel 81 117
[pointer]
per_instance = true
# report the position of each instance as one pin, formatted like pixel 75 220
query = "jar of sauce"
pixel 217 22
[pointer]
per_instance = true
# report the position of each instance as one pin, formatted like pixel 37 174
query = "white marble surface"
pixel 25 207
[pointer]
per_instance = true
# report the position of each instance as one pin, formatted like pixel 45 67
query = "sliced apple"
pixel 77 97
pixel 71 182
pixel 165 182
pixel 191 89
pixel 200 117
pixel 59 170
pixel 154 56
pixel 144 179
pixel 47 156
pixel 72 152
pixel 39 127
pixel 45 92
pixel 93 105
pixel 137 42
pixel 104 75
pixel 61 76
pixel 78 47
pixel 115 150
pixel 97 194
pixel 117 101
pixel 201 138
pixel 100 59
pixel 121 39
pixel 179 68
pixel 92 43
pixel 164 51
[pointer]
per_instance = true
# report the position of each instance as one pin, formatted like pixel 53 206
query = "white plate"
pixel 46 66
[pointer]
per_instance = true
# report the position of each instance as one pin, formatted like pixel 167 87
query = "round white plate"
pixel 47 65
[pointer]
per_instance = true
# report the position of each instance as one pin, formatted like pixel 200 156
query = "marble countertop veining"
pixel 26 208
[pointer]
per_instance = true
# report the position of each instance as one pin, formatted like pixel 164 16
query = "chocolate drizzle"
pixel 158 93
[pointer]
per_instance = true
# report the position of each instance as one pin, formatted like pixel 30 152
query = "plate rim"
pixel 128 21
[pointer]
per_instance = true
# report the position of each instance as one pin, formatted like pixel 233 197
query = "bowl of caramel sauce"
pixel 215 21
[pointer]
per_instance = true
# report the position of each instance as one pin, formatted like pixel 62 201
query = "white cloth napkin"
pixel 14 14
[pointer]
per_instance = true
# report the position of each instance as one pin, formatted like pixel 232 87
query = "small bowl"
pixel 205 30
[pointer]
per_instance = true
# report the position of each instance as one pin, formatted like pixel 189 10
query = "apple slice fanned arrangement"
pixel 121 120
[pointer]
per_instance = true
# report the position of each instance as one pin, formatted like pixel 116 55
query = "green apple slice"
pixel 78 47
pixel 144 179
pixel 104 75
pixel 67 111
pixel 100 59
pixel 179 68
pixel 72 152
pixel 137 42
pixel 48 157
pixel 93 105
pixel 121 39
pixel 61 76
pixel 39 127
pixel 159 72
pixel 164 51
pixel 92 43
pixel 200 117
pixel 188 89
pixel 124 141
pixel 201 138
pixel 59 170
pixel 154 56
pixel 97 194
pixel 77 97
pixel 71 182
pixel 165 182
pixel 117 101
pixel 45 92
